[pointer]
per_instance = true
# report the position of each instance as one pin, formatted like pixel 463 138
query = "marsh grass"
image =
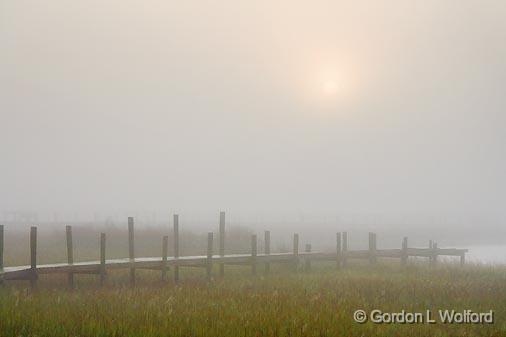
pixel 316 303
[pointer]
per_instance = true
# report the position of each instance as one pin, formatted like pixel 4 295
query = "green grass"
pixel 316 303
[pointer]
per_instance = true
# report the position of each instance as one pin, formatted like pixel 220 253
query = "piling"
pixel 222 243
pixel 338 250
pixel 307 260
pixel 404 251
pixel 267 250
pixel 176 248
pixel 1 247
pixel 372 248
pixel 33 257
pixel 435 253
pixel 345 249
pixel 70 255
pixel 431 252
pixel 254 254
pixel 131 251
pixel 102 271
pixel 209 264
pixel 295 251
pixel 165 248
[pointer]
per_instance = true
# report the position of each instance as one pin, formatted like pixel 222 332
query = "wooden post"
pixel 295 251
pixel 345 249
pixel 307 259
pixel 435 253
pixel 222 243
pixel 70 255
pixel 267 250
pixel 462 259
pixel 165 248
pixel 176 248
pixel 131 251
pixel 375 247
pixel 254 254
pixel 102 259
pixel 33 257
pixel 338 250
pixel 1 247
pixel 372 248
pixel 1 251
pixel 404 251
pixel 209 266
pixel 431 252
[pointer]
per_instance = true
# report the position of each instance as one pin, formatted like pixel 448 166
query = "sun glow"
pixel 330 87
pixel 328 82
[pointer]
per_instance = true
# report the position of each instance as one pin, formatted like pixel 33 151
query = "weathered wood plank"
pixel 429 252
pixel 12 275
pixel 239 263
pixel 357 254
pixel 392 253
pixel 155 262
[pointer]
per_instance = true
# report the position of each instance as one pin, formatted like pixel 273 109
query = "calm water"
pixel 493 254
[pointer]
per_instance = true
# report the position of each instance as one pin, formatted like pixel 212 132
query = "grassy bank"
pixel 318 303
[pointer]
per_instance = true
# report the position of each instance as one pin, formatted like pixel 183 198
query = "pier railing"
pixel 165 262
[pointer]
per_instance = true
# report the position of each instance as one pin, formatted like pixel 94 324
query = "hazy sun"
pixel 329 84
pixel 330 87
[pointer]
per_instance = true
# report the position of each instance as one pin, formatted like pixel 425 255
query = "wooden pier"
pixel 163 263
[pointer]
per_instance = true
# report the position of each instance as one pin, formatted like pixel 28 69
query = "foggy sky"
pixel 209 105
